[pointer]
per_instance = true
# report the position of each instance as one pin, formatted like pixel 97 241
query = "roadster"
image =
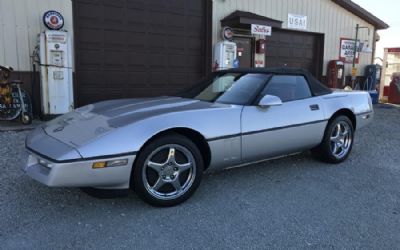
pixel 160 147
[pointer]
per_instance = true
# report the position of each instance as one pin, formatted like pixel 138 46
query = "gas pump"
pixel 224 55
pixel 372 75
pixel 55 66
pixel 335 74
pixel 394 89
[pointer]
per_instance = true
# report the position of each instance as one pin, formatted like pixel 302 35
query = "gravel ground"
pixel 290 203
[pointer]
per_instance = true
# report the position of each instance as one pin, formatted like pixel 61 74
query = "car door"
pixel 295 125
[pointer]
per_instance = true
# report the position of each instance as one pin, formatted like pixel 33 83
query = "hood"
pixel 89 122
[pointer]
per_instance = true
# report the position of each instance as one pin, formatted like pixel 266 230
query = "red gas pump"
pixel 394 89
pixel 334 74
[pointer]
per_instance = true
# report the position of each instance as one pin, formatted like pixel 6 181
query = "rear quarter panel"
pixel 359 102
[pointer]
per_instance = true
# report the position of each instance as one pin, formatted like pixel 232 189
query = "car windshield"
pixel 231 88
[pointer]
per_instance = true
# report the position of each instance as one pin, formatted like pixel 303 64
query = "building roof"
pixel 362 13
pixel 242 19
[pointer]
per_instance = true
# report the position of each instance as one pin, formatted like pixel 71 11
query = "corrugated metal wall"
pixel 323 16
pixel 20 22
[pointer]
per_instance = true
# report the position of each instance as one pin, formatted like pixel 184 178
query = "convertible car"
pixel 160 147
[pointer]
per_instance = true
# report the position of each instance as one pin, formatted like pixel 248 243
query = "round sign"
pixel 227 33
pixel 53 20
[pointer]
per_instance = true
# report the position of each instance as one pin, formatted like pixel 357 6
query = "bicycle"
pixel 14 101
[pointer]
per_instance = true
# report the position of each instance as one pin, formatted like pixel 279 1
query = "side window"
pixel 288 88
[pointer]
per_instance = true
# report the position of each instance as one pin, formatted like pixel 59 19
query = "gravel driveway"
pixel 294 202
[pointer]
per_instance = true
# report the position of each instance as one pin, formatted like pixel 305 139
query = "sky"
pixel 388 11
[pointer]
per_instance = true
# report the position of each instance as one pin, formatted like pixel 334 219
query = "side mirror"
pixel 269 100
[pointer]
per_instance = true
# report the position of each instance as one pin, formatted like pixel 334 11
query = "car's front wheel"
pixel 167 171
pixel 337 142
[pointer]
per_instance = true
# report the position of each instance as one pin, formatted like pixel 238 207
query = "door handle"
pixel 314 107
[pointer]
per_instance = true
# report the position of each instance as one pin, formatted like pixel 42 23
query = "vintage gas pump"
pixel 372 75
pixel 225 52
pixel 224 55
pixel 55 66
pixel 335 74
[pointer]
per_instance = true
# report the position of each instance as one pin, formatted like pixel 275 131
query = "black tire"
pixel 324 151
pixel 142 174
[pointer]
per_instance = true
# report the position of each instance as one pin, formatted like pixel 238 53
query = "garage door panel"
pixel 175 42
pixel 139 78
pixel 111 14
pixel 135 4
pixel 157 5
pixel 135 16
pixel 157 61
pixel 294 49
pixel 143 46
pixel 194 45
pixel 299 53
pixel 156 41
pixel 177 78
pixel 90 58
pixel 114 38
pixel 114 59
pixel 136 60
pixel 176 61
pixel 114 3
pixel 89 38
pixel 91 77
pixel 177 6
pixel 284 52
pixel 135 41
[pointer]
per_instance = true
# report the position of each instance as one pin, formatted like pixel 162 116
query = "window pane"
pixel 302 89
pixel 244 89
pixel 233 88
pixel 288 88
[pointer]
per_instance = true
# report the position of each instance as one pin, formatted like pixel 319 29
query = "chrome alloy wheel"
pixel 169 171
pixel 341 139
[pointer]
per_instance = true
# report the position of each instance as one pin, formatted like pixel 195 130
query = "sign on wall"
pixel 227 33
pixel 347 50
pixel 261 30
pixel 53 20
pixel 296 21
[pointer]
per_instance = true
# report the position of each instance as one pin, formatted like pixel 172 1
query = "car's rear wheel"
pixel 337 142
pixel 168 170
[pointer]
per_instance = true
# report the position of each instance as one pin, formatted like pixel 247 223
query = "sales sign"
pixel 347 51
pixel 297 22
pixel 261 30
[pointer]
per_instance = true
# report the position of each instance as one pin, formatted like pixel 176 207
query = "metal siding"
pixel 20 22
pixel 323 16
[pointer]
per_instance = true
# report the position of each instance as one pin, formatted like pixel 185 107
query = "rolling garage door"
pixel 133 48
pixel 295 49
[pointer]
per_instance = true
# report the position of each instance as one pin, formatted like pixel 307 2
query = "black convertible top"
pixel 317 88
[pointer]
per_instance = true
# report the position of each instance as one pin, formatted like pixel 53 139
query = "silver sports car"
pixel 160 147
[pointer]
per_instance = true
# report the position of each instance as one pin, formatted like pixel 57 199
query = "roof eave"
pixel 362 13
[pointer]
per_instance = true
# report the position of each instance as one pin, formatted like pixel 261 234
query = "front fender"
pixel 130 139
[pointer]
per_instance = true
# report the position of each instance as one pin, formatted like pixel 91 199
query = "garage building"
pixel 137 48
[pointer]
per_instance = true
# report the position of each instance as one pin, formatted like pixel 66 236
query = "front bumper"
pixel 79 173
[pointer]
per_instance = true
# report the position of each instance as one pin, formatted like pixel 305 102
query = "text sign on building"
pixel 347 50
pixel 297 22
pixel 261 30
